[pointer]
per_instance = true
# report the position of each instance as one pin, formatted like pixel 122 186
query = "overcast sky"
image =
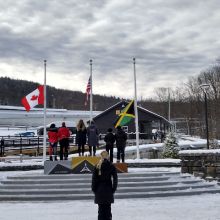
pixel 171 40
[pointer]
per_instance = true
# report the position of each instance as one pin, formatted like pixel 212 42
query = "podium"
pixel 84 164
pixel 78 165
pixel 121 167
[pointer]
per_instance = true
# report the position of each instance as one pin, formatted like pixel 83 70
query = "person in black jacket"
pixel 121 138
pixel 93 138
pixel 81 137
pixel 103 186
pixel 110 140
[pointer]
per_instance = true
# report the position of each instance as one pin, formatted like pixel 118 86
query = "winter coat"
pixel 63 133
pixel 53 135
pixel 81 137
pixel 102 185
pixel 93 137
pixel 120 138
pixel 109 139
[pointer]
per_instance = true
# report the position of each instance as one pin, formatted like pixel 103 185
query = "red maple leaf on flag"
pixel 34 97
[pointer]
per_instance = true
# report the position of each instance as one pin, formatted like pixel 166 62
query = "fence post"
pixel 38 146
pixel 20 149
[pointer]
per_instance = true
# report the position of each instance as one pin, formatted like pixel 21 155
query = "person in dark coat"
pixel 93 137
pixel 121 138
pixel 104 185
pixel 2 147
pixel 109 140
pixel 81 137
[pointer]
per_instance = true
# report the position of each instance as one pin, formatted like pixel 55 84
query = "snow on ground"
pixel 166 160
pixel 5 174
pixel 209 151
pixel 154 169
pixel 15 161
pixel 11 131
pixel 202 207
pixel 187 140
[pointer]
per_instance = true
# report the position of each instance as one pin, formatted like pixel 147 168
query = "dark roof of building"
pixel 139 108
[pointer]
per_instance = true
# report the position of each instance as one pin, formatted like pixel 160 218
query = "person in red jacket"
pixel 53 140
pixel 63 136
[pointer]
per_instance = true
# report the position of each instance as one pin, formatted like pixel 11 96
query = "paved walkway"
pixel 203 207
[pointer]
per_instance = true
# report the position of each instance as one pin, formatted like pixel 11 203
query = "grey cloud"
pixel 170 39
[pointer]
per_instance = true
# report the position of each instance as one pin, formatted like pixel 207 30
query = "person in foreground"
pixel 104 185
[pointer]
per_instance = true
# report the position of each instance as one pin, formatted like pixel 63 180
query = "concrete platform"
pixel 78 186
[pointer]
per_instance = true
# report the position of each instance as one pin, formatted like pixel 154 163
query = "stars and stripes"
pixel 88 90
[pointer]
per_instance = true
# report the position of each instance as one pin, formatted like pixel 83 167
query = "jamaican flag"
pixel 126 115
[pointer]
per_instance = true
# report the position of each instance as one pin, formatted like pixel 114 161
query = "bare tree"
pixel 162 94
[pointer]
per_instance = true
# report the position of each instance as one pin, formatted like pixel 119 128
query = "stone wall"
pixel 148 153
pixel 203 163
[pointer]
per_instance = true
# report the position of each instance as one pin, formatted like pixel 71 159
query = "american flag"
pixel 88 90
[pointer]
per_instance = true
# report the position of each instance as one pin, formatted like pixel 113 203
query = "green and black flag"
pixel 126 115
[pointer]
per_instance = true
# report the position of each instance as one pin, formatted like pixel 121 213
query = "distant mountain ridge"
pixel 13 90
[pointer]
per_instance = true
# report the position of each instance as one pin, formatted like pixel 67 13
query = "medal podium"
pixel 78 165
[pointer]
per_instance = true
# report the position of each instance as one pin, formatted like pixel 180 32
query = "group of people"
pixel 91 132
pixel 158 135
pixel 85 135
pixel 60 135
pixel 120 138
pixel 81 137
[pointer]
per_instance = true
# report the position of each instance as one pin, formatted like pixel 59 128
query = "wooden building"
pixel 147 120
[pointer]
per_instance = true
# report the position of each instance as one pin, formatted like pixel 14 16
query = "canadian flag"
pixel 34 98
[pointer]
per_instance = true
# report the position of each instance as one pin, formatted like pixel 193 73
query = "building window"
pixel 117 112
pixel 125 129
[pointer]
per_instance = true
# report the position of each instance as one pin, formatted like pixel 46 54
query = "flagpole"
pixel 45 104
pixel 91 100
pixel 136 111
pixel 169 104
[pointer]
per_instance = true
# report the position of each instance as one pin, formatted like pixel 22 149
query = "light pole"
pixel 204 88
pixel 168 104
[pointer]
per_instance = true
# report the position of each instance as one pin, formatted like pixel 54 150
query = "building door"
pixel 145 128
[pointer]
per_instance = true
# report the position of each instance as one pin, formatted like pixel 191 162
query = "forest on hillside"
pixel 12 91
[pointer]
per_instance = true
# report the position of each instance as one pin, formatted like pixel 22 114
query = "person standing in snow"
pixel 121 138
pixel 53 140
pixel 104 185
pixel 93 137
pixel 110 140
pixel 63 135
pixel 81 137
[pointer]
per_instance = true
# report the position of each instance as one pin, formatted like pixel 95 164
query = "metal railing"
pixel 21 145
